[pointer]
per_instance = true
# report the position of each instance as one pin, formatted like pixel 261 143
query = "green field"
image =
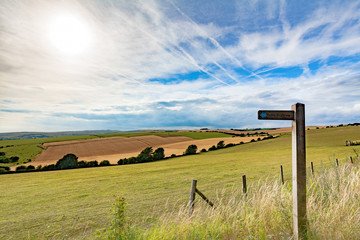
pixel 28 148
pixel 76 203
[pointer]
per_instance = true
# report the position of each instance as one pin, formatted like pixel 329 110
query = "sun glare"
pixel 69 34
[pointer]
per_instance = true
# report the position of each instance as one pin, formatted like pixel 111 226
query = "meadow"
pixel 78 203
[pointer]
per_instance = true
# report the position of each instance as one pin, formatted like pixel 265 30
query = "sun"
pixel 69 34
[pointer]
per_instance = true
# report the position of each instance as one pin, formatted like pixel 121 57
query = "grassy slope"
pixel 29 148
pixel 73 203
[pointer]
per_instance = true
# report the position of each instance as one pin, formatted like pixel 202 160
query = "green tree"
pixel 145 155
pixel 220 144
pixel 191 149
pixel 68 161
pixel 158 154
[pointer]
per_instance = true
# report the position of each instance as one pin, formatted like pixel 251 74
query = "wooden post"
pixel 337 162
pixel 204 197
pixel 351 160
pixel 299 172
pixel 297 115
pixel 192 197
pixel 244 183
pixel 281 174
pixel 312 168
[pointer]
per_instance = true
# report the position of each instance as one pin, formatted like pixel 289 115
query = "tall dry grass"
pixel 265 212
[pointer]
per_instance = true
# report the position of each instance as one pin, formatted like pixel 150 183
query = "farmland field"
pixel 27 149
pixel 76 203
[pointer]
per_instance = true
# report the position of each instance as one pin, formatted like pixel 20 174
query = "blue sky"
pixel 84 65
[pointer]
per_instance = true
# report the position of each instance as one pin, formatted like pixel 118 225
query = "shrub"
pixel 2 154
pixel 92 163
pixel 4 159
pixel 241 142
pixel 14 159
pixel 105 163
pixel 21 169
pixel 132 160
pixel 191 149
pixel 30 168
pixel 158 154
pixel 259 139
pixel 173 155
pixel 220 144
pixel 212 148
pixel 229 145
pixel 121 161
pixel 5 168
pixel 145 155
pixel 68 161
pixel 203 150
pixel 49 167
pixel 252 140
pixel 82 164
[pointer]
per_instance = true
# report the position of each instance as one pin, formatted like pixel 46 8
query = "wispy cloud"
pixel 216 64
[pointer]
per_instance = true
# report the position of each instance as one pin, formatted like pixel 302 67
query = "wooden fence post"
pixel 192 197
pixel 204 197
pixel 244 183
pixel 281 174
pixel 337 162
pixel 312 168
pixel 351 160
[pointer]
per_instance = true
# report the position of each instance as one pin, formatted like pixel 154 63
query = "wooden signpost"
pixel 297 115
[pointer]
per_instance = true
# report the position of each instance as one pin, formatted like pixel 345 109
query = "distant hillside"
pixel 31 135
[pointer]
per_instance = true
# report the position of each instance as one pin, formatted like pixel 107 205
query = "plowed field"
pixel 114 148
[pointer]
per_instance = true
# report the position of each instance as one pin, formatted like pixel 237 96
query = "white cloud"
pixel 138 41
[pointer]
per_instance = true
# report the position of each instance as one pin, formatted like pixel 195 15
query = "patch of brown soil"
pixel 101 146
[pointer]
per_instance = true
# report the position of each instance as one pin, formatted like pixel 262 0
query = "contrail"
pixel 214 41
pixel 185 55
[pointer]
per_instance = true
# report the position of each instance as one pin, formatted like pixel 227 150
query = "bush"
pixel 92 163
pixel 14 159
pixel 212 148
pixel 30 168
pixel 105 163
pixel 5 168
pixel 259 139
pixel 158 154
pixel 252 140
pixel 132 160
pixel 203 150
pixel 49 167
pixel 121 161
pixel 82 164
pixel 21 169
pixel 68 161
pixel 220 145
pixel 173 155
pixel 229 145
pixel 145 155
pixel 191 149
pixel 241 142
pixel 2 154
pixel 4 159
